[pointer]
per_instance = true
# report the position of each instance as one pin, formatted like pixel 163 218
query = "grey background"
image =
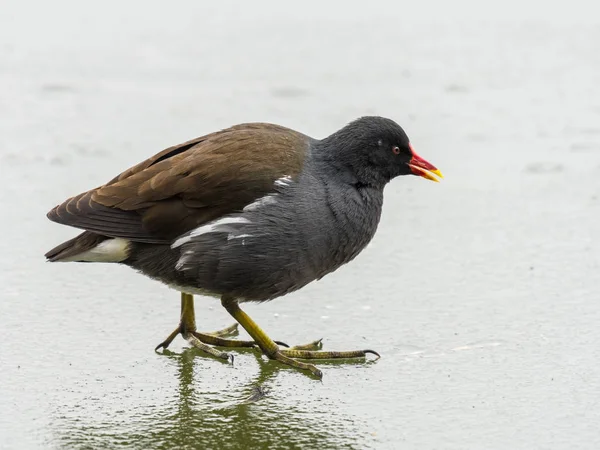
pixel 480 292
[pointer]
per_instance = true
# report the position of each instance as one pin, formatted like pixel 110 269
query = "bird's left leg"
pixel 286 356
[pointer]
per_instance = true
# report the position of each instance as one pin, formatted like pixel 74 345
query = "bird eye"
pixel 396 150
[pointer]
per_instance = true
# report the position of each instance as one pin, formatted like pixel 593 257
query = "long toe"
pixel 164 344
pixel 314 345
pixel 231 330
pixel 281 357
pixel 193 340
pixel 311 354
pixel 222 342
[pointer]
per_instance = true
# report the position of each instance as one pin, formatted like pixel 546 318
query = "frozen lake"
pixel 479 292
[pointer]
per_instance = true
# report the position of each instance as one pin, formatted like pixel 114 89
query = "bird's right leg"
pixel 187 328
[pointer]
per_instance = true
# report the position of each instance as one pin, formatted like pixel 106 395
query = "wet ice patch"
pixel 476 345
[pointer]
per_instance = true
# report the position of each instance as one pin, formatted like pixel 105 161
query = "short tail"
pixel 87 247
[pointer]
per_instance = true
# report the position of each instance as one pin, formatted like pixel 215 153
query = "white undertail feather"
pixel 111 250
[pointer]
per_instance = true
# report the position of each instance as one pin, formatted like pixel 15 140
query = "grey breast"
pixel 282 242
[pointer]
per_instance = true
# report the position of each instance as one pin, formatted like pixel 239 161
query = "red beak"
pixel 422 168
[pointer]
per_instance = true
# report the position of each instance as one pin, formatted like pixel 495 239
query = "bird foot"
pixel 192 339
pixel 203 341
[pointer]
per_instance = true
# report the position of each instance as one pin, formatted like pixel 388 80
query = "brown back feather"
pixel 187 185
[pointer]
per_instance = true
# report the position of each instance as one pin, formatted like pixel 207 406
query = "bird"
pixel 245 214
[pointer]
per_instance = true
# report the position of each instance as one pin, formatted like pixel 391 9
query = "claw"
pixel 372 352
pixel 317 373
pixel 225 356
pixel 164 344
pixel 283 344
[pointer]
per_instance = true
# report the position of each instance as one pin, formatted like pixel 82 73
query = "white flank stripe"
pixel 237 236
pixel 208 228
pixel 283 181
pixel 112 250
pixel 266 200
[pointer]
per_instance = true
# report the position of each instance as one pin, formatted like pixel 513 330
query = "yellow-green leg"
pixel 187 328
pixel 286 356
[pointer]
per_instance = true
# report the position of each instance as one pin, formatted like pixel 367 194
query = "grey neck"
pixel 338 154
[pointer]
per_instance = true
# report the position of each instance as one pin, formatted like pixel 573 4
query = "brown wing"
pixel 187 185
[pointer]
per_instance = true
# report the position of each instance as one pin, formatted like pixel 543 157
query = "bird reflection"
pixel 263 412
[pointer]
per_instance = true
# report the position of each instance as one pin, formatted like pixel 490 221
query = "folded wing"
pixel 188 185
